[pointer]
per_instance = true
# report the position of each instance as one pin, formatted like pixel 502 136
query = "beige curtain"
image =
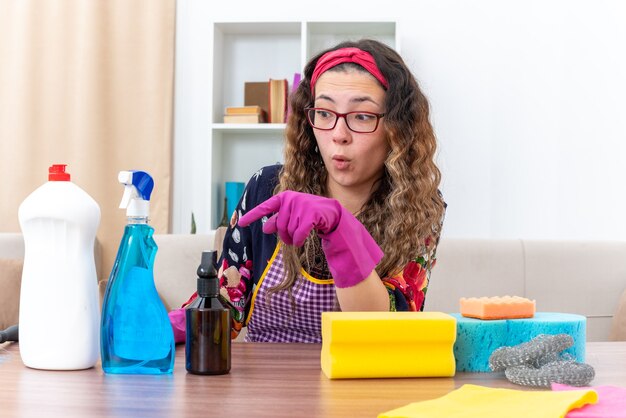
pixel 88 83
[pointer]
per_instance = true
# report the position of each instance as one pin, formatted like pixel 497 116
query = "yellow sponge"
pixel 387 344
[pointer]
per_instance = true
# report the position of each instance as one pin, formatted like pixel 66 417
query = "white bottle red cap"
pixel 56 172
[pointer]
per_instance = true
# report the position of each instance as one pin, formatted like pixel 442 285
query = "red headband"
pixel 339 56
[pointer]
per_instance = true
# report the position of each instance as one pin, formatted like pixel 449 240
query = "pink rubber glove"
pixel 350 250
pixel 177 319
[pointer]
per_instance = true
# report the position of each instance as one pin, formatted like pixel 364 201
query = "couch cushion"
pixel 583 277
pixel 10 282
pixel 474 268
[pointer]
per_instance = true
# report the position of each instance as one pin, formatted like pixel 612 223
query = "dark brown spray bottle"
pixel 207 349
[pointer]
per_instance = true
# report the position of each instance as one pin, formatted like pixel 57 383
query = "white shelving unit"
pixel 240 52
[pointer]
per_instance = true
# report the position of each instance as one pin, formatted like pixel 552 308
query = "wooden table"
pixel 265 380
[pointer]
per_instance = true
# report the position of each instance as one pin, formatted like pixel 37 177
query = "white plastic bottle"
pixel 59 318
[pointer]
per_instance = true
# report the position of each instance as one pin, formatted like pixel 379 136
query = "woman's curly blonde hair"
pixel 404 213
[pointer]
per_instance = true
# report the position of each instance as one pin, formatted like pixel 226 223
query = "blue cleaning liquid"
pixel 137 337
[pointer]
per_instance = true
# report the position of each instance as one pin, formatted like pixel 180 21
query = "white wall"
pixel 528 102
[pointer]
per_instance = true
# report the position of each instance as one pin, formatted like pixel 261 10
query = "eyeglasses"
pixel 360 122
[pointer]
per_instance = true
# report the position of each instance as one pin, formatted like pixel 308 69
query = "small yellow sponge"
pixel 504 307
pixel 370 344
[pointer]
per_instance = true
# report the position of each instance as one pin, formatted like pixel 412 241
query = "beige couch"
pixel 584 277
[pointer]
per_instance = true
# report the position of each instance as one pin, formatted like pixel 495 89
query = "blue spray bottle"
pixel 136 335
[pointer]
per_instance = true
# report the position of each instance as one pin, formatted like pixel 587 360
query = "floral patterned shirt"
pixel 247 250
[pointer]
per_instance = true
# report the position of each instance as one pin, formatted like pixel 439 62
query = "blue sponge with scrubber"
pixel 476 339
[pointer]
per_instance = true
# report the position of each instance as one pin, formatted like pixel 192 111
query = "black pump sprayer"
pixel 207 349
pixel 208 283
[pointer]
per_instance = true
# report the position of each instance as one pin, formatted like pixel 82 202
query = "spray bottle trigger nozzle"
pixel 129 191
pixel 125 177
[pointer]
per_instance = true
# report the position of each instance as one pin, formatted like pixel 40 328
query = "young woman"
pixel 352 219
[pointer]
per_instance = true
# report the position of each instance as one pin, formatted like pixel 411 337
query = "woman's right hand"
pixel 351 252
pixel 295 215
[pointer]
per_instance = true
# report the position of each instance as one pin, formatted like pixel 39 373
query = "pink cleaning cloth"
pixel 179 325
pixel 611 402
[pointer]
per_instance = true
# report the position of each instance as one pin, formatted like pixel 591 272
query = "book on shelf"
pixel 243 118
pixel 243 110
pixel 278 100
pixel 244 114
pixel 257 93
